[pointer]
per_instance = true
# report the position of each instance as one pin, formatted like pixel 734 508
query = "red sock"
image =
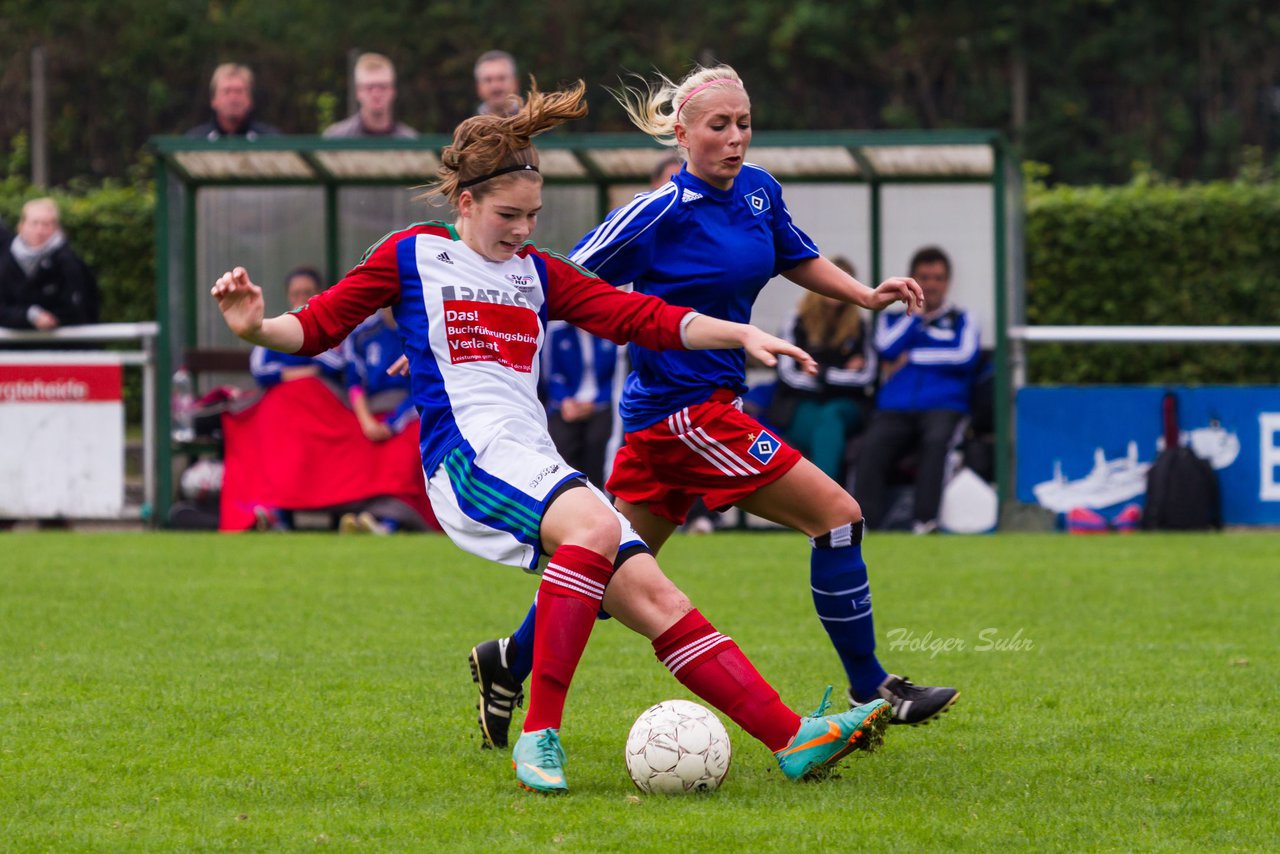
pixel 568 599
pixel 712 666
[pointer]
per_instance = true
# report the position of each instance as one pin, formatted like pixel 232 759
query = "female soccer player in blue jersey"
pixel 711 238
pixel 472 300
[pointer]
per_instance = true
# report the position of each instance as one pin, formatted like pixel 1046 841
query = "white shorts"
pixel 491 501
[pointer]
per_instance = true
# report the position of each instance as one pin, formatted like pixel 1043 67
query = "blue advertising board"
pixel 1091 447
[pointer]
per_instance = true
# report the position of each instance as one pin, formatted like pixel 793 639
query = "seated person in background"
pixel 43 283
pixel 380 400
pixel 373 346
pixel 820 413
pixel 580 369
pixel 231 100
pixel 375 81
pixel 270 367
pixel 383 407
pixel 929 361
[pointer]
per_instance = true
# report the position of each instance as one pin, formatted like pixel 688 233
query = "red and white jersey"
pixel 472 328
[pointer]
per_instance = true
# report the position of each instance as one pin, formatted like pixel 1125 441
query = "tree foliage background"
pixel 1089 87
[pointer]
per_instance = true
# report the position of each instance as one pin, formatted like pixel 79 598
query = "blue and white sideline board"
pixel 1083 446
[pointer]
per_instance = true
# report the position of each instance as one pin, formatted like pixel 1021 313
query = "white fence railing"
pixel 1020 335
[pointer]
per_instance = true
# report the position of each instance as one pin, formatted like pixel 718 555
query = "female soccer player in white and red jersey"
pixel 712 238
pixel 472 299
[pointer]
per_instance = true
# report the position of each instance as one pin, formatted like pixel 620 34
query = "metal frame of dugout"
pixel 874 169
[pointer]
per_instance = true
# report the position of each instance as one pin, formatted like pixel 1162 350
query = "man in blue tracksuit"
pixel 929 361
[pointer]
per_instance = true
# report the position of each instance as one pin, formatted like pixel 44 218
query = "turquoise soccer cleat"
pixel 539 762
pixel 822 740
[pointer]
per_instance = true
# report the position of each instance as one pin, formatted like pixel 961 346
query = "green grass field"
pixel 171 692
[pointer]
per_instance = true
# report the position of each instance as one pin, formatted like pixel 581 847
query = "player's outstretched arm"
pixel 712 333
pixel 243 308
pixel 821 276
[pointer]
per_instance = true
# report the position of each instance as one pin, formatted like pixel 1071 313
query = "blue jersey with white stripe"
pixel 694 245
pixel 373 347
pixel 942 351
pixel 267 366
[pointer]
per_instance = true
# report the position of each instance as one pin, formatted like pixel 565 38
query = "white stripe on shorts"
pixel 704 446
pixel 702 434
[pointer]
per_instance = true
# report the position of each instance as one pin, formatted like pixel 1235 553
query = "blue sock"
pixel 842 597
pixel 520 661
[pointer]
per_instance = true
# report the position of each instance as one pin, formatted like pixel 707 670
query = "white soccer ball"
pixel 202 480
pixel 677 747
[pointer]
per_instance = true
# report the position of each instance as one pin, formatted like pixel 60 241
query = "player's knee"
pixel 600 532
pixel 838 509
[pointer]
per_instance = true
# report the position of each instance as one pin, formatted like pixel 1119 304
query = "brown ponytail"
pixel 485 145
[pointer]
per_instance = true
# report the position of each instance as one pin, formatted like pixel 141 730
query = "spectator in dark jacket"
pixel 43 283
pixel 231 100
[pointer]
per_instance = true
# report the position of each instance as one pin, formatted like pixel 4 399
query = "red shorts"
pixel 711 449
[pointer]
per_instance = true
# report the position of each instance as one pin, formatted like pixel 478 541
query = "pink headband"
pixel 706 85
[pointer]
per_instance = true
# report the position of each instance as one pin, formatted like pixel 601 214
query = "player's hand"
pixel 44 320
pixel 766 348
pixel 898 289
pixel 240 302
pixel 375 431
pixel 576 410
pixel 399 368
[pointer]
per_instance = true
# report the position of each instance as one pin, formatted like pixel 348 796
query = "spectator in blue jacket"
pixel 579 374
pixel 928 362
pixel 270 367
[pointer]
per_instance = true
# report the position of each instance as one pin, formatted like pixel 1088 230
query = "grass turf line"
pixel 166 691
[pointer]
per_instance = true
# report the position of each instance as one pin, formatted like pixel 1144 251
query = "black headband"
pixel 523 167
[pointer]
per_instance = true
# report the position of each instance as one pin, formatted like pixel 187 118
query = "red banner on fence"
pixel 59 383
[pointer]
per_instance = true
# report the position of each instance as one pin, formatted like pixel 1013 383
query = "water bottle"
pixel 183 407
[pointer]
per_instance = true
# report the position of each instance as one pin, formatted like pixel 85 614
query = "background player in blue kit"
pixel 712 238
pixel 379 399
pixel 471 300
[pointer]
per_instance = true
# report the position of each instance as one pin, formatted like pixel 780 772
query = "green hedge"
pixel 1152 254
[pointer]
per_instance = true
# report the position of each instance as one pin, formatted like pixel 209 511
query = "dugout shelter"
pixel 273 204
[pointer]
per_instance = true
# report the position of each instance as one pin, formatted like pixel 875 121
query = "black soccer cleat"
pixel 912 704
pixel 499 692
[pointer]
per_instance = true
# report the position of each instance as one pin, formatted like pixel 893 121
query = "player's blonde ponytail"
pixel 656 106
